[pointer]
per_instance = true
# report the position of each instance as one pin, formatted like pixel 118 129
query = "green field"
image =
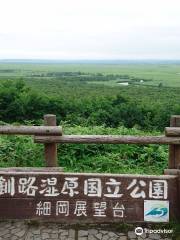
pixel 168 74
pixel 88 99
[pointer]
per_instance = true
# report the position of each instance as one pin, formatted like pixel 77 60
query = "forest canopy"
pixel 20 102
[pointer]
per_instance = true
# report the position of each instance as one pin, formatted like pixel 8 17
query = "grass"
pixel 18 151
pixel 168 74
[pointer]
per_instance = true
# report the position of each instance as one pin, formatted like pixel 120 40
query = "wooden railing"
pixel 50 135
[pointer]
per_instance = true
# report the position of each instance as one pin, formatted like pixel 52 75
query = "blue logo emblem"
pixel 159 212
pixel 156 211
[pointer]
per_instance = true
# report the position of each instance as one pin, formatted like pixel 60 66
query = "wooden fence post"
pixel 50 148
pixel 174 150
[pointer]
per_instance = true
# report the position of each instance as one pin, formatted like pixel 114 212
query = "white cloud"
pixel 73 29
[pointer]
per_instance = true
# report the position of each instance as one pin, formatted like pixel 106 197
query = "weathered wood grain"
pixel 24 205
pixel 174 150
pixel 172 131
pixel 107 139
pixel 31 169
pixel 25 209
pixel 50 149
pixel 172 171
pixel 31 130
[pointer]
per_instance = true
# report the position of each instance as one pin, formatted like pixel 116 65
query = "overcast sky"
pixel 90 29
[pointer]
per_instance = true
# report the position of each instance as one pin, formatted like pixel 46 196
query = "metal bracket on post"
pixel 50 148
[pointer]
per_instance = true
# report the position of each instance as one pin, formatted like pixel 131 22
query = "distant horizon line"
pixel 86 60
pixel 89 59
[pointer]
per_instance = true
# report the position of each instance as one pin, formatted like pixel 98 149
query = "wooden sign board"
pixel 90 198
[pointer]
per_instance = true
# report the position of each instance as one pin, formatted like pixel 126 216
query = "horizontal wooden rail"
pixel 172 131
pixel 107 139
pixel 31 130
